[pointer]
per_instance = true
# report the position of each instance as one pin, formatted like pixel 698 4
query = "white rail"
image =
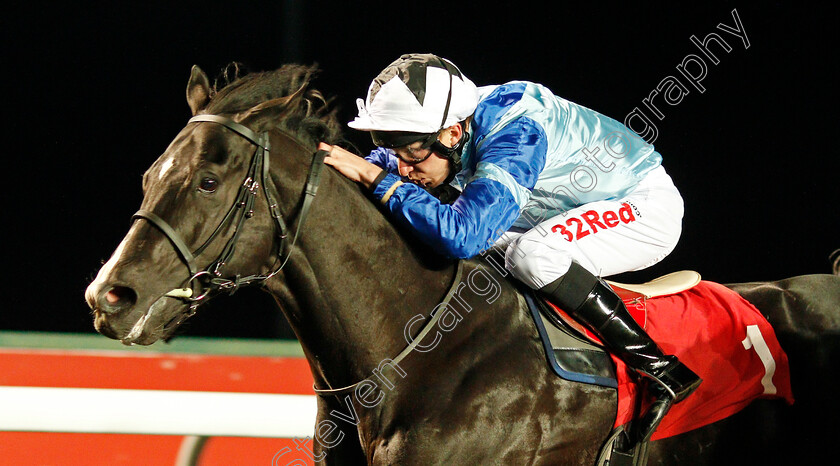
pixel 162 412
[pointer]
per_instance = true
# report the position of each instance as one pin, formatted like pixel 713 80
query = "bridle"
pixel 209 281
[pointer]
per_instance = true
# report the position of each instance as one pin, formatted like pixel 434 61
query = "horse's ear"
pixel 198 90
pixel 272 109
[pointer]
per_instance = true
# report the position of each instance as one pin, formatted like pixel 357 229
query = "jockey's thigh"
pixel 605 237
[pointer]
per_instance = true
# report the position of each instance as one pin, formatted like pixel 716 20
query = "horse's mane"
pixel 312 121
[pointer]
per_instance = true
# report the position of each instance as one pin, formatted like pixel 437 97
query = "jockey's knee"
pixel 534 263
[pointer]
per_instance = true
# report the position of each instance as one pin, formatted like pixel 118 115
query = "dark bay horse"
pixel 231 202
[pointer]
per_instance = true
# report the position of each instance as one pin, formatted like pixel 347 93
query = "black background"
pixel 94 94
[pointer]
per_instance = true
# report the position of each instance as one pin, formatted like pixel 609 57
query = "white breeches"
pixel 605 237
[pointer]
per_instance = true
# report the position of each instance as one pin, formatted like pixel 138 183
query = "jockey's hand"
pixel 350 165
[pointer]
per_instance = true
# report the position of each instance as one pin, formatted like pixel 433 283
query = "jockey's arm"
pixel 483 211
pixel 508 165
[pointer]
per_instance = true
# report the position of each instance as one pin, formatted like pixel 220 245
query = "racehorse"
pixel 232 202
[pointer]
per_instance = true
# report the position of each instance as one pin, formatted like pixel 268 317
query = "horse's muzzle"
pixel 117 315
pixel 107 303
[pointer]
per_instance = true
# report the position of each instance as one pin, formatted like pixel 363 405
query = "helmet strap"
pixel 453 153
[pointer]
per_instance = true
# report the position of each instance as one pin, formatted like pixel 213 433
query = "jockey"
pixel 570 194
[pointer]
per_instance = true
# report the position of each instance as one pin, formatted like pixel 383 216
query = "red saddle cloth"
pixel 721 337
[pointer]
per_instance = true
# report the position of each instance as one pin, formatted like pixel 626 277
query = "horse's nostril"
pixel 119 297
pixel 113 296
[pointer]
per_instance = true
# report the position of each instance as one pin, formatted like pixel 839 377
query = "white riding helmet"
pixel 417 93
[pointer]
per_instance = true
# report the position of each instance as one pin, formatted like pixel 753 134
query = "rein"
pixel 210 281
pixel 414 342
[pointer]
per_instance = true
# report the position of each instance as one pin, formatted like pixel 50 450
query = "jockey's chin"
pixel 433 179
pixel 427 183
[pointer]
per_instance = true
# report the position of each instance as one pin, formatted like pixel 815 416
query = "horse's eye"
pixel 208 185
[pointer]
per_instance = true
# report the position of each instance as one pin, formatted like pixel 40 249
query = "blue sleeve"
pixel 515 156
pixel 471 224
pixel 385 159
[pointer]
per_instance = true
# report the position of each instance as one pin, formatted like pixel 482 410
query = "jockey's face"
pixel 431 170
pixel 423 166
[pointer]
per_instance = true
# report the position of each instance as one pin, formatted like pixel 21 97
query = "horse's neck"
pixel 354 283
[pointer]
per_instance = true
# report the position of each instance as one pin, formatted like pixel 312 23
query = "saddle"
pixel 573 352
pixel 712 329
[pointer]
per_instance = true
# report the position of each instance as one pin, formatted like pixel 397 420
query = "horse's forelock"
pixel 311 121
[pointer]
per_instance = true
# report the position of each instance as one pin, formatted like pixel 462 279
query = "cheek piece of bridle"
pixel 205 283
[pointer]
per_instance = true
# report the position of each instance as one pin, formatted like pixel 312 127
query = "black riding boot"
pixel 595 304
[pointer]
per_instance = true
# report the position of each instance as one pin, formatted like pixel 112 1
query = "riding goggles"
pixel 395 139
